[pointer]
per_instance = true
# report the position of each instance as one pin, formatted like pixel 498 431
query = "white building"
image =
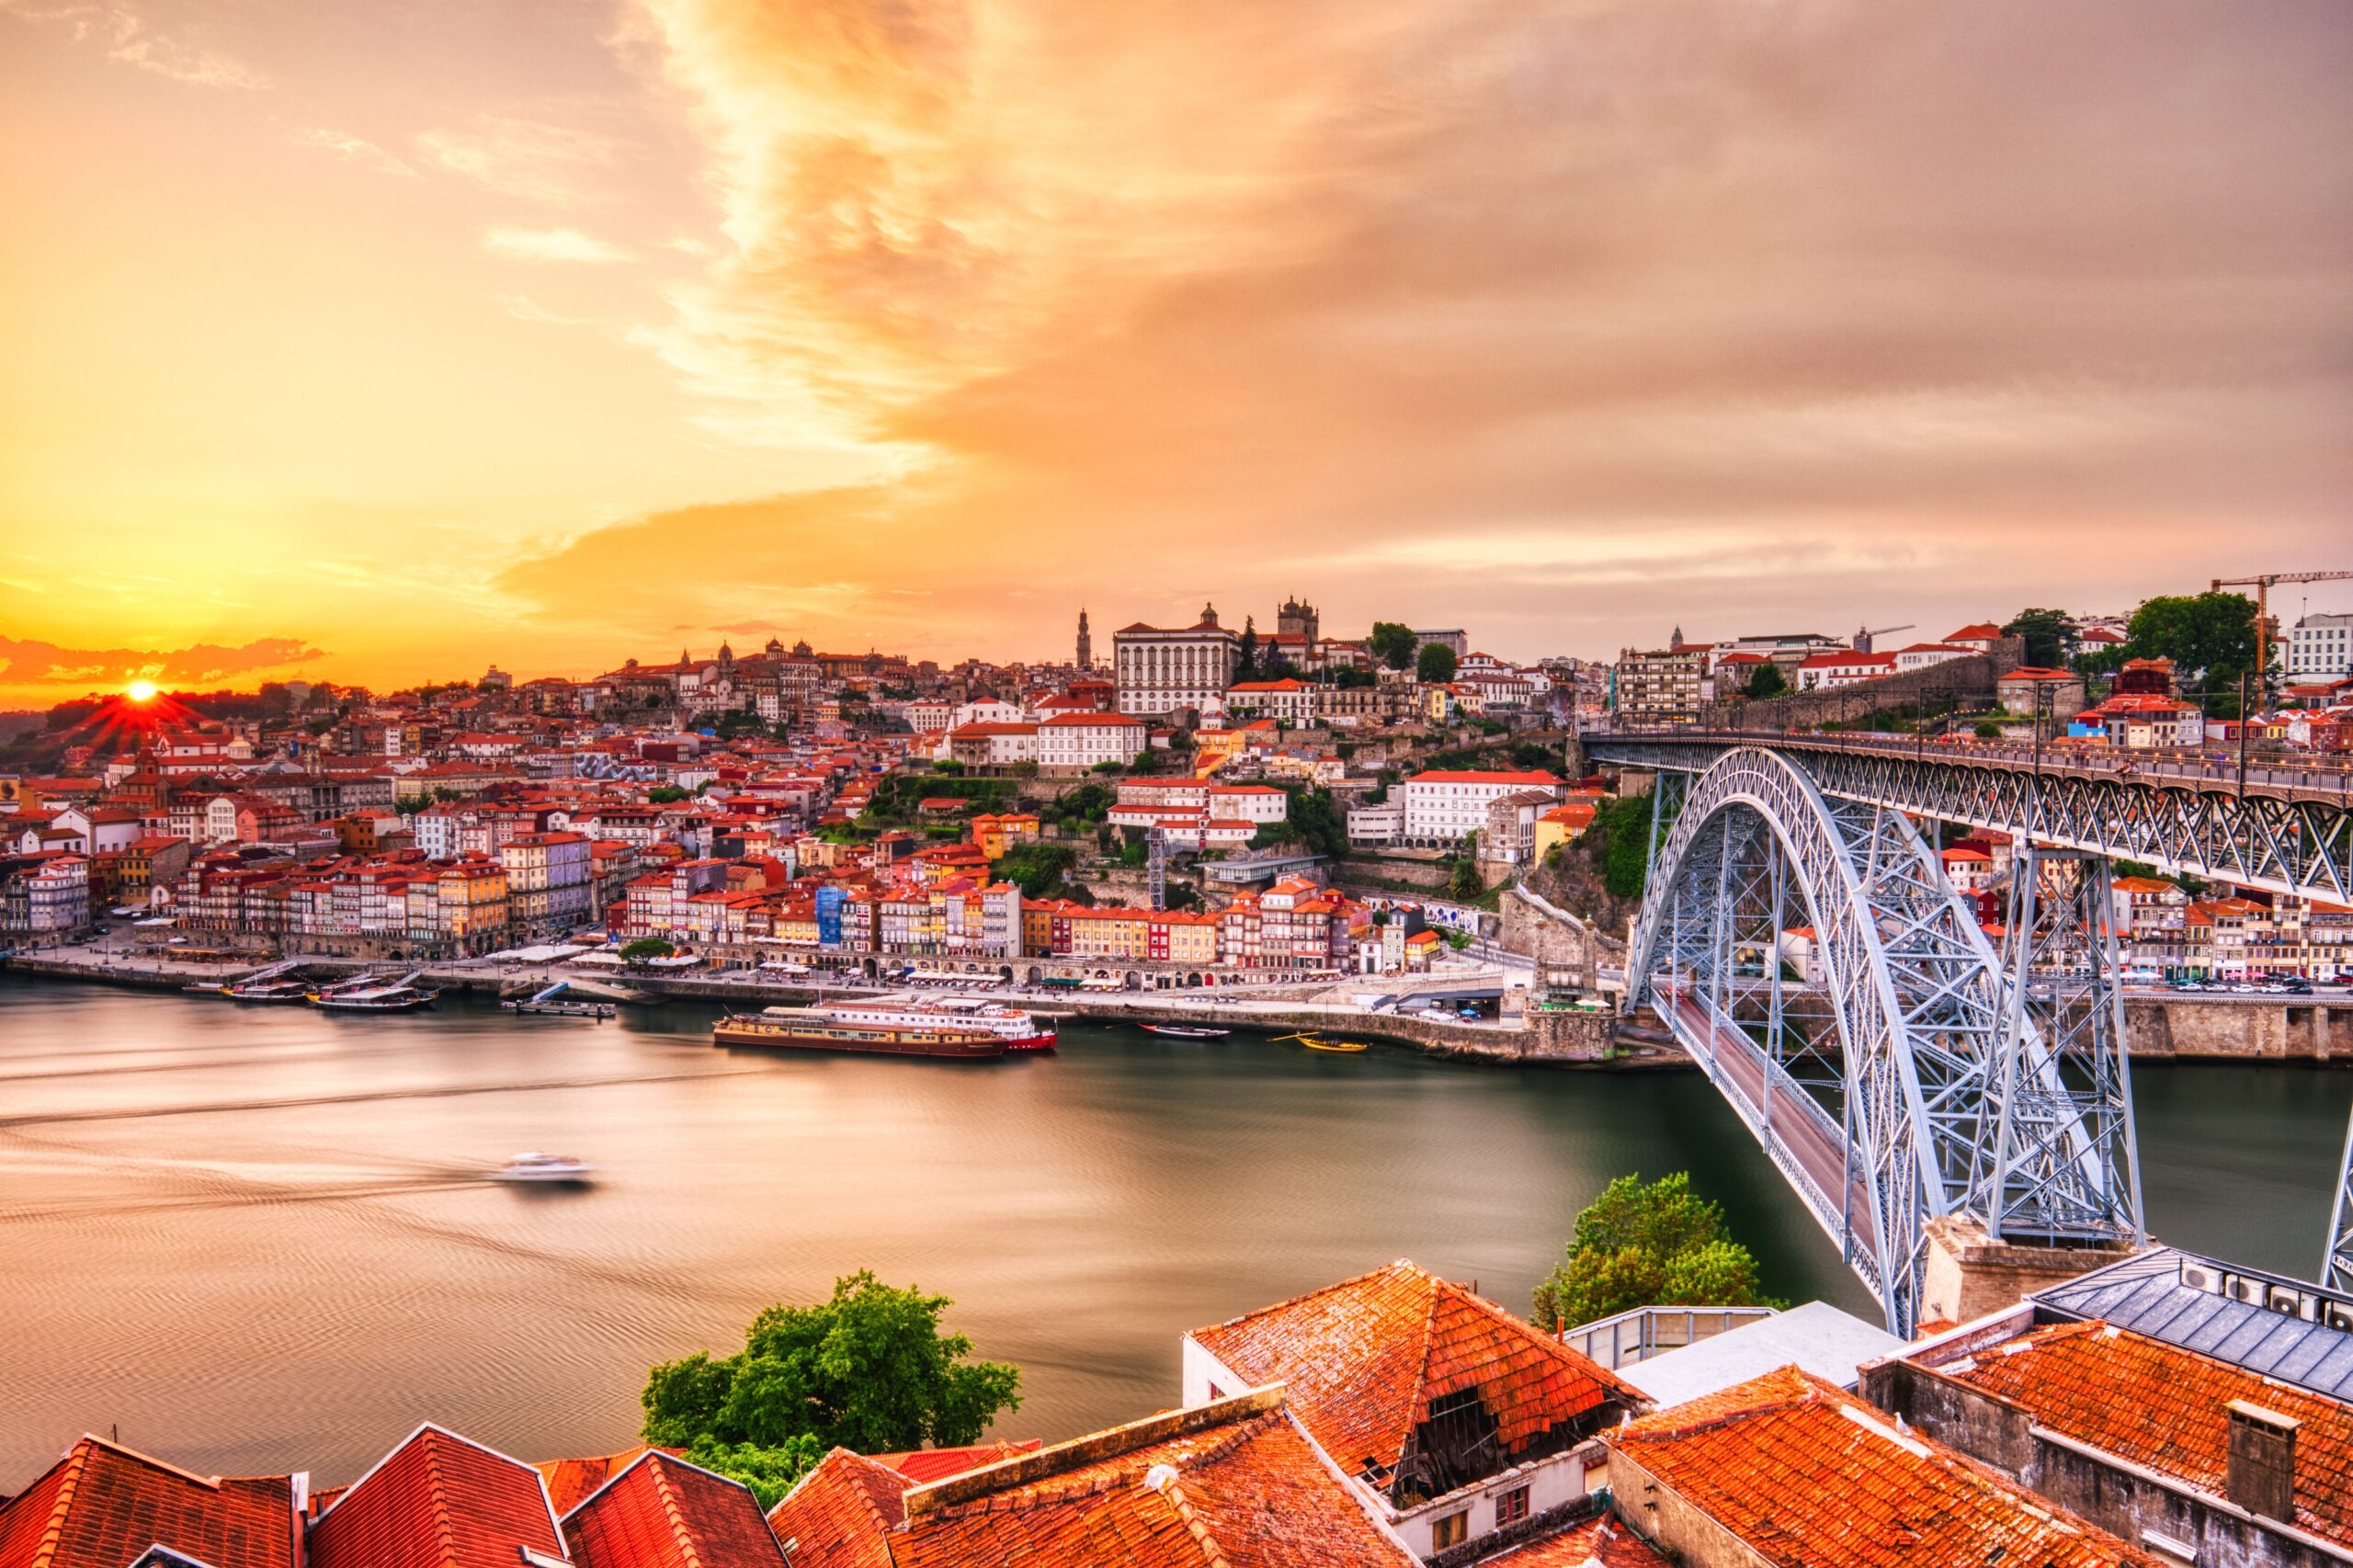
pixel 1383 824
pixel 1290 700
pixel 2321 646
pixel 1440 807
pixel 1164 669
pixel 1077 742
pixel 1829 671
pixel 1921 655
pixel 1248 802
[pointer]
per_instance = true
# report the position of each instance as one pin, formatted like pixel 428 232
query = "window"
pixel 1451 1529
pixel 1511 1506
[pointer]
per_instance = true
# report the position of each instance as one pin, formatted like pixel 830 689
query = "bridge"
pixel 1924 1074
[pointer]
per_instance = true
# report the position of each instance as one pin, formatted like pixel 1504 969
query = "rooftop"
pixel 2223 1310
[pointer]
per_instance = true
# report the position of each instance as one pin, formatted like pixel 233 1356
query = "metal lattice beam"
pixel 2336 1262
pixel 2283 840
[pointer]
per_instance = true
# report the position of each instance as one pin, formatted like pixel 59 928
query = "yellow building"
pixel 997 834
pixel 1564 824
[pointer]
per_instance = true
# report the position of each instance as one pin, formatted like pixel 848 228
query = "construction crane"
pixel 1863 638
pixel 2265 631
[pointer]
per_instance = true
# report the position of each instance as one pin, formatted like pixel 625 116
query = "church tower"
pixel 1085 643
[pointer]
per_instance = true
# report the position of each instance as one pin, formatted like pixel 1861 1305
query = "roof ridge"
pixel 1172 1493
pixel 443 1526
pixel 679 1530
pixel 77 1460
pixel 1319 1290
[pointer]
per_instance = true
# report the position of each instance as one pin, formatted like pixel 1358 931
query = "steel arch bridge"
pixel 1915 1072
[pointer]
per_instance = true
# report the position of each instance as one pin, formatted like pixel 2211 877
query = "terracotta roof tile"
pixel 1802 1474
pixel 1234 1485
pixel 665 1513
pixel 2163 1407
pixel 1363 1360
pixel 101 1505
pixel 438 1500
pixel 841 1514
pixel 1605 1541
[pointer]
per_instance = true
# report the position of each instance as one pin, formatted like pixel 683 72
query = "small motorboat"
pixel 1184 1031
pixel 1317 1042
pixel 545 1168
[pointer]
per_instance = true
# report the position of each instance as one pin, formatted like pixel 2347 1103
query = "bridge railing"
pixel 2268 769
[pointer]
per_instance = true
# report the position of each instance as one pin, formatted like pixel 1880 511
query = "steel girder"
pixel 2202 828
pixel 2337 1260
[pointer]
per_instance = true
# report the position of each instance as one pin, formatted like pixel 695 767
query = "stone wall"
pixel 2200 1029
pixel 1969 680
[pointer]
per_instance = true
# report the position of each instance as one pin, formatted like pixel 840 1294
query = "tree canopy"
pixel 2050 636
pixel 1767 680
pixel 645 948
pixel 1436 663
pixel 1392 642
pixel 867 1370
pixel 1639 1246
pixel 2209 633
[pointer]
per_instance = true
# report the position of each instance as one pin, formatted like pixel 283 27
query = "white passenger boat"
pixel 545 1168
pixel 1020 1031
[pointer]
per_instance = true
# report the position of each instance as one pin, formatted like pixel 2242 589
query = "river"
pixel 258 1239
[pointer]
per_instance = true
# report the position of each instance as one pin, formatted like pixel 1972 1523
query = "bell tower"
pixel 1086 643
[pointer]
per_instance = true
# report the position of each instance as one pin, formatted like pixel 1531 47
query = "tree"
pixel 1392 642
pixel 1622 838
pixel 1767 680
pixel 646 947
pixel 1986 730
pixel 1641 1247
pixel 2210 634
pixel 667 794
pixel 2050 636
pixel 1435 664
pixel 1248 670
pixel 867 1370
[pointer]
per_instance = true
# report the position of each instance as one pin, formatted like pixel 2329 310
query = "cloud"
pixel 556 165
pixel 353 150
pixel 29 662
pixel 1823 300
pixel 128 35
pixel 549 245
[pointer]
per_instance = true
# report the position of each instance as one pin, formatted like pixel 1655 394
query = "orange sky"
pixel 380 342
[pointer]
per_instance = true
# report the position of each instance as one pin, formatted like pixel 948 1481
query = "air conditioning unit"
pixel 2241 1289
pixel 2286 1299
pixel 2198 1278
pixel 2338 1315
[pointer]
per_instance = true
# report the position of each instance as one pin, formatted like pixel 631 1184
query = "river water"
pixel 258 1239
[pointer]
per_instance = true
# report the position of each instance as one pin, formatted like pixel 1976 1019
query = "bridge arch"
pixel 1907 1124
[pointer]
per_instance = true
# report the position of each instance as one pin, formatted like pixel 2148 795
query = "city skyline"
pixel 375 343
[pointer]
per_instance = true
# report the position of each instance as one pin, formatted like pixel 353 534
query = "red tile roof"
pixel 662 1512
pixel 1802 1474
pixel 841 1514
pixel 570 1481
pixel 101 1505
pixel 1473 775
pixel 1363 1360
pixel 1234 1484
pixel 1605 1541
pixel 923 1465
pixel 2161 1407
pixel 438 1500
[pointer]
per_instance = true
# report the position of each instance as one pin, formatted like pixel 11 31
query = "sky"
pixel 384 341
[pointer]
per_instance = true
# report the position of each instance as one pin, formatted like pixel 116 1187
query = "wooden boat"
pixel 820 1029
pixel 1317 1042
pixel 1184 1031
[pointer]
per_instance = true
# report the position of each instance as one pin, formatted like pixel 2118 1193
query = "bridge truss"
pixel 1909 1074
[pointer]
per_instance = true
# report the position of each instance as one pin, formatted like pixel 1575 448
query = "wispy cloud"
pixel 128 35
pixel 31 662
pixel 559 166
pixel 549 245
pixel 354 150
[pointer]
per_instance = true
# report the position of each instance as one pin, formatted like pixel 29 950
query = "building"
pixel 2321 646
pixel 1787 1469
pixel 1073 743
pixel 1842 668
pixel 1291 699
pixel 1455 639
pixel 548 880
pixel 1164 670
pixel 1085 650
pixel 1661 689
pixel 2048 693
pixel 1452 1418
pixel 1441 806
pixel 2195 1407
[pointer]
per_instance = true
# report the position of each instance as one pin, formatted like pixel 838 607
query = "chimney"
pixel 2262 1475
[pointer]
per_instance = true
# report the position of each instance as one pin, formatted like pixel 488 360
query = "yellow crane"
pixel 2265 631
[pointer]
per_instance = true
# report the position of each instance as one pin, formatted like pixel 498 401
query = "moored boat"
pixel 1318 1042
pixel 268 991
pixel 545 1168
pixel 824 1028
pixel 388 996
pixel 1019 1029
pixel 1185 1031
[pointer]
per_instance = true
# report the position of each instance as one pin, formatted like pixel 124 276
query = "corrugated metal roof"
pixel 2146 1295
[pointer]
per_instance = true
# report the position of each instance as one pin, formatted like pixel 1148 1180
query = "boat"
pixel 1317 1042
pixel 268 991
pixel 400 995
pixel 1185 1031
pixel 1020 1031
pixel 824 1028
pixel 545 1168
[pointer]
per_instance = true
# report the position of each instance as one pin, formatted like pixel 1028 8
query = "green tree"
pixel 1248 670
pixel 867 1370
pixel 1767 680
pixel 1986 730
pixel 1036 869
pixel 2050 636
pixel 665 794
pixel 1621 836
pixel 2209 634
pixel 645 948
pixel 1639 1246
pixel 1392 643
pixel 1435 664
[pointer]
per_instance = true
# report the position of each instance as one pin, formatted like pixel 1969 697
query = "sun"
pixel 141 692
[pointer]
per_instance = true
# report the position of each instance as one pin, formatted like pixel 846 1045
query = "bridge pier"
pixel 1969 1274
